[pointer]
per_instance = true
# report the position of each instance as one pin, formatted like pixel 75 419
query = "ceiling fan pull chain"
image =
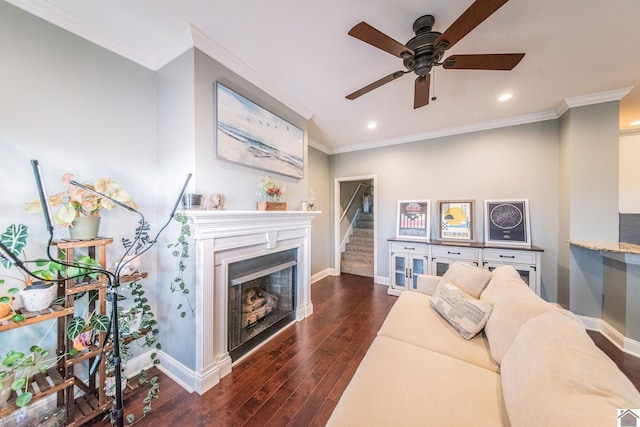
pixel 433 72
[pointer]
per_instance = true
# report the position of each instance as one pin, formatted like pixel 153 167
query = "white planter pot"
pixel 38 296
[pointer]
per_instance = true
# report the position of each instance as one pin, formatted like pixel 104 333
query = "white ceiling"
pixel 299 51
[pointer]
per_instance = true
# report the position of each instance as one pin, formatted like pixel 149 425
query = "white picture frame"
pixel 413 220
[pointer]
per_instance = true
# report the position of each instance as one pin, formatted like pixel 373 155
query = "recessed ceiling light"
pixel 372 125
pixel 505 97
pixel 635 123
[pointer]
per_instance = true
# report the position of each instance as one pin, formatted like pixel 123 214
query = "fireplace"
pixel 261 299
pixel 227 245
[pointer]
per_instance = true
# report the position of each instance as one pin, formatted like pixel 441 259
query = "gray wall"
pixel 319 182
pixel 514 162
pixel 186 143
pixel 76 108
pixel 589 189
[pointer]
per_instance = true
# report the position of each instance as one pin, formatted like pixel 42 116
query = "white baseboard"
pixel 628 345
pixel 382 280
pixel 321 275
pixel 177 372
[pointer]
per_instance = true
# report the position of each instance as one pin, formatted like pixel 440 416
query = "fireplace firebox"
pixel 261 299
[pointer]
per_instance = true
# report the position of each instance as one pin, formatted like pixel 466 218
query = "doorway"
pixel 355 225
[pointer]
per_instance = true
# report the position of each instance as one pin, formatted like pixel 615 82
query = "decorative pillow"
pixel 469 278
pixel 554 375
pixel 466 314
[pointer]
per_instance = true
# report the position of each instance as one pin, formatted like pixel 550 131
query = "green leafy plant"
pixel 181 251
pixel 14 238
pixel 22 365
pixel 96 321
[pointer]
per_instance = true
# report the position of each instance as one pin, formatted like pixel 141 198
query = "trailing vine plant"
pixel 148 329
pixel 181 251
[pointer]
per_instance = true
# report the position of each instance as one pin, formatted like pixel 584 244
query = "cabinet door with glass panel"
pixel 526 263
pixel 406 262
pixel 443 256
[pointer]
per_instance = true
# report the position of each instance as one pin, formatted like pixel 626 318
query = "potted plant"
pixel 270 191
pixel 82 331
pixel 37 294
pixel 17 368
pixel 80 209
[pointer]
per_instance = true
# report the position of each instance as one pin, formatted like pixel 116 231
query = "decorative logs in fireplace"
pixel 257 304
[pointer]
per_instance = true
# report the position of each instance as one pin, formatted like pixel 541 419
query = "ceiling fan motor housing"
pixel 425 56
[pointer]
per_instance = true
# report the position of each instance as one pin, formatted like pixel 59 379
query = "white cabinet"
pixel 406 260
pixel 409 258
pixel 443 256
pixel 526 262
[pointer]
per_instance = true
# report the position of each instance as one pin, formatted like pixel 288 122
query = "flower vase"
pixel 272 206
pixel 84 228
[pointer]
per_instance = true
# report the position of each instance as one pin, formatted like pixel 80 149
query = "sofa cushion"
pixel 465 313
pixel 399 384
pixel 412 320
pixel 469 278
pixel 554 375
pixel 513 305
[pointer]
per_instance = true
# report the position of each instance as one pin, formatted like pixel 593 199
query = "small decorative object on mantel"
pixel 216 202
pixel 76 204
pixel 270 192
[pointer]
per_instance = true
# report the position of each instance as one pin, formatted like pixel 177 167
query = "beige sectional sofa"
pixel 533 364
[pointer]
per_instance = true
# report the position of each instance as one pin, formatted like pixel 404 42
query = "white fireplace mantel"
pixel 223 237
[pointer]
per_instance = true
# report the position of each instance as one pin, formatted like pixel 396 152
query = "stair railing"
pixel 345 232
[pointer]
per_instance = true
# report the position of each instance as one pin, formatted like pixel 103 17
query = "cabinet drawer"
pixel 409 247
pixel 508 256
pixel 454 252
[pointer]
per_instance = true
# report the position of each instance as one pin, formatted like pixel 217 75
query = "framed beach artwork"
pixel 413 220
pixel 251 135
pixel 507 222
pixel 456 220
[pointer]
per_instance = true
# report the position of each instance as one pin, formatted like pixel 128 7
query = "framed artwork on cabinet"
pixel 507 222
pixel 455 220
pixel 251 135
pixel 413 220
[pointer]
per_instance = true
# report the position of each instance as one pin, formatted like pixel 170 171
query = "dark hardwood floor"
pixel 297 378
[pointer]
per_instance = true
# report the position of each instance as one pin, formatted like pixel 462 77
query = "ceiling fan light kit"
pixel 426 49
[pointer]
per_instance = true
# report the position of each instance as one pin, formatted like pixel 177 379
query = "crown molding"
pixel 476 127
pixel 629 132
pixel 229 60
pixel 590 99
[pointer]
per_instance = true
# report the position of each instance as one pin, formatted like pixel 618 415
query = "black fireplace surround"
pixel 262 299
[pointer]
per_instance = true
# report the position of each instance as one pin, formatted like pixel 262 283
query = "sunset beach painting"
pixel 253 136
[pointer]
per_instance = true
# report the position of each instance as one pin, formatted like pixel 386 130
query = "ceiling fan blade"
pixel 470 18
pixel 421 93
pixel 494 61
pixel 376 84
pixel 368 34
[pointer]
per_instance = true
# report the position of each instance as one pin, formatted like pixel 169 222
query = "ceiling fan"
pixel 426 49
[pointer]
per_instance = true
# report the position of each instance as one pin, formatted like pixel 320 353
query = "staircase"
pixel 357 257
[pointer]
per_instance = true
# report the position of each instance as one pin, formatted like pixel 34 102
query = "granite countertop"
pixel 620 247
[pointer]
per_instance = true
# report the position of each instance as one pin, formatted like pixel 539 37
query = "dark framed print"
pixel 413 220
pixel 456 220
pixel 507 222
pixel 253 136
